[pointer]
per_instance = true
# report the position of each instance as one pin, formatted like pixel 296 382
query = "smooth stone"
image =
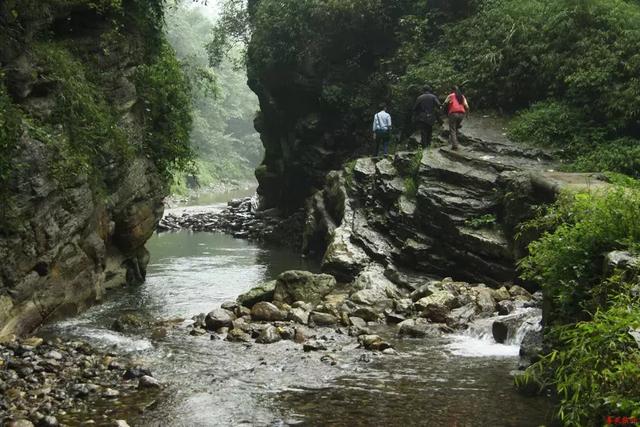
pixel 269 335
pixel 147 381
pixel 299 315
pixel 418 328
pixel 313 346
pixel 262 292
pixel 219 318
pixel 373 342
pixel 265 311
pixel 322 319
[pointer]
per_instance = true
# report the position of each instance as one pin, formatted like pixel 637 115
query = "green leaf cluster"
pixel 595 366
pixel 567 260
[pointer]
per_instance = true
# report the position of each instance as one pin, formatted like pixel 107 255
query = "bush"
pixel 567 260
pixel 621 155
pixel 90 136
pixel 595 368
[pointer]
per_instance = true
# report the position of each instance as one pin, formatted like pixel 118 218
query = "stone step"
pixel 437 164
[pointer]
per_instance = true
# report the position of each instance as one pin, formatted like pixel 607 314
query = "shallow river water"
pixel 455 381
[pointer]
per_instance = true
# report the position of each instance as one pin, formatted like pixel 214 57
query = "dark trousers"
pixel 382 138
pixel 426 134
pixel 455 122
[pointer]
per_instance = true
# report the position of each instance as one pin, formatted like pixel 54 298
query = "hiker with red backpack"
pixel 457 108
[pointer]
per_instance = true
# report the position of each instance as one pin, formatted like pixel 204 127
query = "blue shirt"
pixel 382 121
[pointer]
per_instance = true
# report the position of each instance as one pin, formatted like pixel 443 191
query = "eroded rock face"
pixel 69 241
pixel 439 212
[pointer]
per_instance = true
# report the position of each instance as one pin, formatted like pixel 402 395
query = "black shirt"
pixel 426 103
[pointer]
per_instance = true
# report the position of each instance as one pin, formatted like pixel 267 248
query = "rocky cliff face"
pixel 71 235
pixel 438 212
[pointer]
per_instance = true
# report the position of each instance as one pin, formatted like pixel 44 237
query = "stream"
pixel 460 380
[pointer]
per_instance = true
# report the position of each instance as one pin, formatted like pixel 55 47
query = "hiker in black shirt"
pixel 425 114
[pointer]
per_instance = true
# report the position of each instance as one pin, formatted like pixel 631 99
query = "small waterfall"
pixel 478 340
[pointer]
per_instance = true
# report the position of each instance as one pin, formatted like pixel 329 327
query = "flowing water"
pixel 454 381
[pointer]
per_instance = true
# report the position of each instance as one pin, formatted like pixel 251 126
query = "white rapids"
pixel 478 341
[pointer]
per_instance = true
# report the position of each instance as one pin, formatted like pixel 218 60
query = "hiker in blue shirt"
pixel 382 130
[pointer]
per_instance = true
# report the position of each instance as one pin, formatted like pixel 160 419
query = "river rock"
pixel 500 331
pixel 501 294
pixel 265 311
pixel 121 423
pixel 393 317
pixel 461 316
pixel 519 291
pixel 313 346
pixel 230 306
pixel 403 305
pixel 269 335
pixel 127 322
pixel 485 302
pixel 148 382
pixel 136 372
pixel 531 348
pixel 373 342
pixel 48 421
pixel 20 423
pixel 238 335
pixel 299 315
pixel 418 328
pixel 424 291
pixel 262 292
pixel 293 286
pixel 358 322
pixel 506 307
pixel 367 313
pixel 219 318
pixel 322 319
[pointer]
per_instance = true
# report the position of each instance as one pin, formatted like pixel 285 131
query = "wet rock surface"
pixel 44 383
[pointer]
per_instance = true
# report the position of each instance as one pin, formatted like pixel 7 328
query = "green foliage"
pixel 620 155
pixel 595 366
pixel 550 124
pixel 567 260
pixel 89 137
pixel 484 221
pixel 10 129
pixel 411 187
pixel 165 93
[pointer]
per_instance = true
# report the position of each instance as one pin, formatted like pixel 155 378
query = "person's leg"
pixel 377 151
pixel 429 135
pixel 453 131
pixel 423 135
pixel 387 139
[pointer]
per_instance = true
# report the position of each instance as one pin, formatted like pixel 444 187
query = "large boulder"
pixel 322 319
pixel 374 289
pixel 293 286
pixel 266 311
pixel 484 301
pixel 262 292
pixel 219 318
pixel 531 347
pixel 418 328
pixel 436 306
